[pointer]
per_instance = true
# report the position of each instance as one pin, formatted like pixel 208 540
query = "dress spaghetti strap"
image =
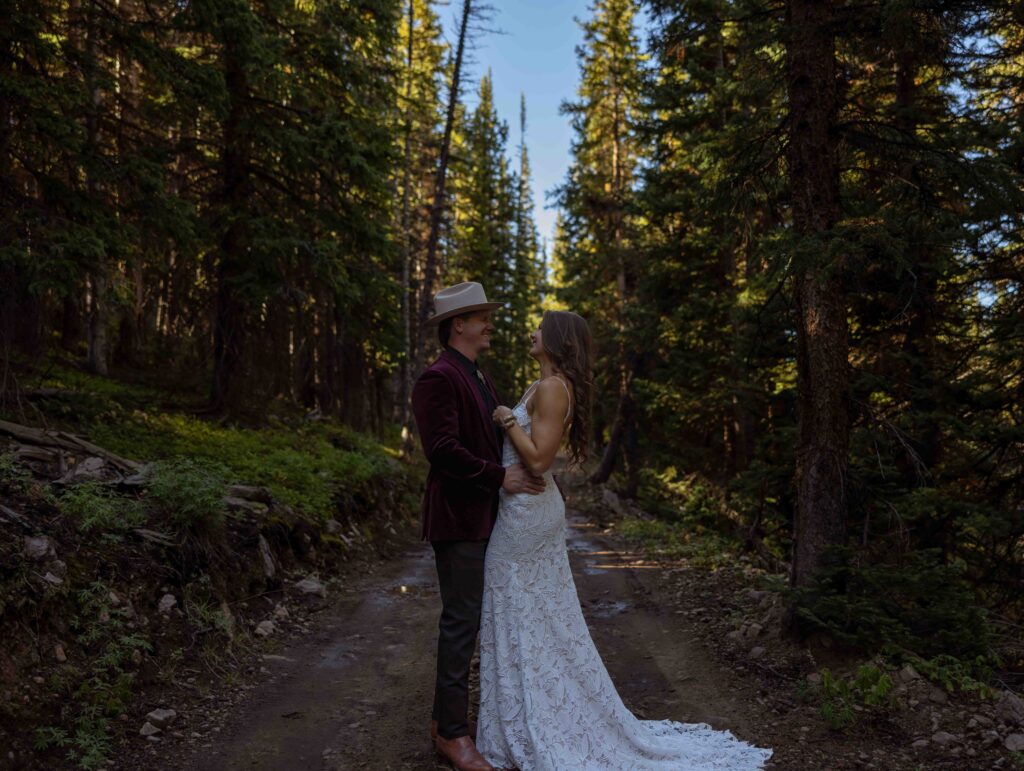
pixel 529 393
pixel 568 412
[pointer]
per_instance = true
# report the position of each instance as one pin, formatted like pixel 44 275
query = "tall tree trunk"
pixel 131 324
pixel 305 342
pixel 99 278
pixel 278 370
pixel 355 403
pixel 8 270
pixel 744 421
pixel 822 453
pixel 426 301
pixel 71 320
pixel 622 436
pixel 920 339
pixel 20 315
pixel 405 365
pixel 623 433
pixel 230 323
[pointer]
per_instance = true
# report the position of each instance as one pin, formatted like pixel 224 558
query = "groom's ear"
pixel 444 329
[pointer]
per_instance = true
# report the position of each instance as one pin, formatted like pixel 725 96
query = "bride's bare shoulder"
pixel 552 391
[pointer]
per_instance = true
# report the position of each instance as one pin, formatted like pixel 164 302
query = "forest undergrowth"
pixel 116 587
pixel 894 644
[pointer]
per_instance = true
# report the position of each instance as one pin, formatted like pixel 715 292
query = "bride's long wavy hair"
pixel 566 339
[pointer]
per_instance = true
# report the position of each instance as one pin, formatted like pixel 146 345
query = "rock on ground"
pixel 161 717
pixel 39 547
pixel 311 585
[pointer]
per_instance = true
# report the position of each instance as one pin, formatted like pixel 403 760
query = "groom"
pixel 452 401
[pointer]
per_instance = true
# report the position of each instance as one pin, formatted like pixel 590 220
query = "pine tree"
pixel 470 11
pixel 823 430
pixel 294 199
pixel 600 257
pixel 711 194
pixel 422 49
pixel 904 236
pixel 483 228
pixel 528 285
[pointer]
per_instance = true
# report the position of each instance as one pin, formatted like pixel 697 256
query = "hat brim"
pixel 460 311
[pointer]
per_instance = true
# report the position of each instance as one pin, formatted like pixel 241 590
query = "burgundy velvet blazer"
pixel 460 502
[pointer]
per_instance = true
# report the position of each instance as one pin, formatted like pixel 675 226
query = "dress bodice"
pixel 521 412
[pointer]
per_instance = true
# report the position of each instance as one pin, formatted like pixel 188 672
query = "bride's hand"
pixel 500 413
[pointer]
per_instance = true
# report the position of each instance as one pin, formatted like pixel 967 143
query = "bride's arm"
pixel 550 403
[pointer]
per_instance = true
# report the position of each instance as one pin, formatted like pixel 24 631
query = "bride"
pixel 546 700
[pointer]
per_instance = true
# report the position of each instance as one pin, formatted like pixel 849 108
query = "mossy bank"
pixel 156 548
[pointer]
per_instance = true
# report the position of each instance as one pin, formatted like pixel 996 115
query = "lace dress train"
pixel 546 700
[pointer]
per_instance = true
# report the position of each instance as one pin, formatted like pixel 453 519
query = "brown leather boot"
pixel 470 723
pixel 461 753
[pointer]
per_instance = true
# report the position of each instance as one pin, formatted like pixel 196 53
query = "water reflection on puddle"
pixel 412 591
pixel 339 655
pixel 606 608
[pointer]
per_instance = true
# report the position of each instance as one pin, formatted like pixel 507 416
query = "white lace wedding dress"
pixel 546 700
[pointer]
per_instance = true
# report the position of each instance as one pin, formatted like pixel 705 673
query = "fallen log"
pixel 251 493
pixel 65 440
pixel 11 395
pixel 155 536
pixel 92 468
pixel 33 452
pixel 10 515
pixel 44 393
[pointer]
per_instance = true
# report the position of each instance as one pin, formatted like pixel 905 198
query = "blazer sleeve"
pixel 437 418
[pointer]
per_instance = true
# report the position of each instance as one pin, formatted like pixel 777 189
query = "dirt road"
pixel 356 692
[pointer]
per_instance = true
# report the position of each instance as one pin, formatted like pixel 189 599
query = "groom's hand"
pixel 519 480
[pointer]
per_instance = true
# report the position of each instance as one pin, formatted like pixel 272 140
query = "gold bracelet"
pixel 508 421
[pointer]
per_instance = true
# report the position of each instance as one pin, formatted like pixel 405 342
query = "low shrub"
pixel 188 494
pixel 920 605
pixel 688 499
pixel 95 506
pixel 966 676
pixel 104 685
pixel 842 700
pixel 14 478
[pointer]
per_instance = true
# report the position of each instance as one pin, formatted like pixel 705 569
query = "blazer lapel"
pixel 491 388
pixel 475 390
pixel 495 433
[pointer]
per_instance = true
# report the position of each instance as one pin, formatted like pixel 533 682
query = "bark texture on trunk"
pixel 230 323
pixel 822 336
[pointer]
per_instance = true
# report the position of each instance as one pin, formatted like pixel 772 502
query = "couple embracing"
pixel 496 521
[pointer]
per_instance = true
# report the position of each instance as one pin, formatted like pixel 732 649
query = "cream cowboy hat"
pixel 462 298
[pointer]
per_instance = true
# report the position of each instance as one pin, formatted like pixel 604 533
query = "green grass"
pixel 304 464
pixel 677 540
pixel 13 477
pixel 189 494
pixel 687 519
pixel 958 675
pixel 95 507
